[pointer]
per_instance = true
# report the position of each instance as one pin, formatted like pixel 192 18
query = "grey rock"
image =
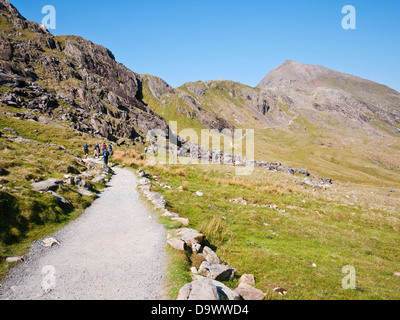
pixel 190 236
pixel 48 185
pixel 249 293
pixel 201 289
pixel 60 198
pixel 211 256
pixel 177 243
pixel 217 271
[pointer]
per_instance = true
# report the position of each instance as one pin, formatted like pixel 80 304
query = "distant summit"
pixel 292 71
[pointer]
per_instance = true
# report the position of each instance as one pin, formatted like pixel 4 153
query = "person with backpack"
pixel 110 149
pixel 86 150
pixel 106 154
pixel 104 147
pixel 96 150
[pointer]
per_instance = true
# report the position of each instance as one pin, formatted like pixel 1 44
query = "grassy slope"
pixel 331 228
pixel 28 215
pixel 354 223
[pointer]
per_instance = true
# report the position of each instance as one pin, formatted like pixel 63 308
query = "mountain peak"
pixel 291 72
pixel 5 5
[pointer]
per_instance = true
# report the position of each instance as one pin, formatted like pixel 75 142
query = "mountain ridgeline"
pixel 73 82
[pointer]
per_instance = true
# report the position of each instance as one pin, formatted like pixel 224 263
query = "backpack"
pixel 106 153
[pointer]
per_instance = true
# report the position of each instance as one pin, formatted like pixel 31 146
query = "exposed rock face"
pixel 95 94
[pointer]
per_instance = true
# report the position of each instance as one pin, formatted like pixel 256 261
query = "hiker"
pixel 86 150
pixel 96 150
pixel 110 149
pixel 145 150
pixel 106 154
pixel 104 147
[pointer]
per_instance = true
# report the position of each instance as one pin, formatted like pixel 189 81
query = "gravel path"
pixel 114 251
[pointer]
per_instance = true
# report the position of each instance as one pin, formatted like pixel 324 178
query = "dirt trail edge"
pixel 114 251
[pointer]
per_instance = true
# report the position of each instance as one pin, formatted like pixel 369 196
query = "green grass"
pixel 27 215
pixel 279 247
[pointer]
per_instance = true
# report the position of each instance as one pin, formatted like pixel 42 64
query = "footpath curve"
pixel 114 251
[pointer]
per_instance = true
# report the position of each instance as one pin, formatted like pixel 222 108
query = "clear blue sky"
pixel 187 40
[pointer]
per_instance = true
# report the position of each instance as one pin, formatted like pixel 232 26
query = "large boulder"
pixel 201 289
pixel 215 271
pixel 48 185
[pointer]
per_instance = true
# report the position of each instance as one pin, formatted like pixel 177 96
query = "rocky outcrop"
pixel 48 185
pixel 94 93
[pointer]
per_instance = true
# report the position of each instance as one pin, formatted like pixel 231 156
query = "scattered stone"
pixel 145 181
pixel 82 183
pixel 100 179
pixel 14 259
pixel 88 175
pixel 190 236
pixel 48 185
pixel 217 271
pixel 248 279
pixel 184 221
pixel 199 193
pixel 397 274
pixel 239 200
pixel 224 292
pixel 314 265
pixel 250 293
pixel 60 198
pixel 177 243
pixel 157 199
pixel 201 289
pixel 193 270
pixel 22 140
pixel 170 214
pixel 211 256
pixel 85 192
pixel 49 242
